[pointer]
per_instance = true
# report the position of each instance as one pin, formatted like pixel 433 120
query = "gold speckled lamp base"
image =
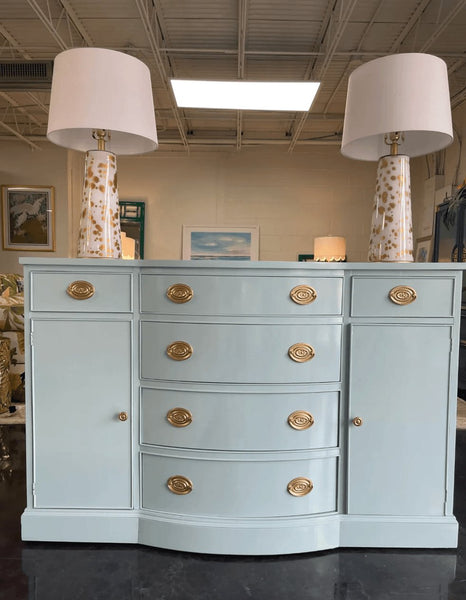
pixel 99 230
pixel 391 237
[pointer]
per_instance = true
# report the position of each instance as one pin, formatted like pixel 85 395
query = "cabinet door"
pixel 81 382
pixel 399 380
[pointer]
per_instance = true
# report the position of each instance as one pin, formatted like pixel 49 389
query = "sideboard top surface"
pixel 252 266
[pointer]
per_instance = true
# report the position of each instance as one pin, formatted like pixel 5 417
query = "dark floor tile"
pixel 50 571
pixel 14 584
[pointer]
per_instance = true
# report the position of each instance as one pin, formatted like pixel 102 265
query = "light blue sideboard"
pixel 241 408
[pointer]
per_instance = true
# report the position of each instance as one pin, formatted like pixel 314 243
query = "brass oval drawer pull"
pixel 402 294
pixel 300 486
pixel 80 290
pixel 303 294
pixel 123 416
pixel 180 351
pixel 179 417
pixel 301 352
pixel 180 293
pixel 357 421
pixel 300 419
pixel 179 485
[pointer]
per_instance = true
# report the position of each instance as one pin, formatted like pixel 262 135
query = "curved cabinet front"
pixel 259 408
pixel 240 353
pixel 220 295
pixel 239 421
pixel 236 488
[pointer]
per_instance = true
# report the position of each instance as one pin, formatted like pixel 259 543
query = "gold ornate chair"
pixel 12 339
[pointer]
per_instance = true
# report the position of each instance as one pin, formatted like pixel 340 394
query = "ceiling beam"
pixel 73 17
pixel 250 142
pixel 22 110
pixel 346 8
pixel 344 75
pixel 38 103
pixel 19 136
pixel 13 43
pixel 242 26
pixel 145 18
pixel 48 24
pixel 443 25
pixel 458 98
pixel 415 17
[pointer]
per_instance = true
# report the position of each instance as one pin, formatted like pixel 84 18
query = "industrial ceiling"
pixel 284 40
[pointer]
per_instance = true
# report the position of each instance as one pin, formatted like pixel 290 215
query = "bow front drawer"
pixel 402 297
pixel 233 488
pixel 208 295
pixel 81 292
pixel 206 352
pixel 239 421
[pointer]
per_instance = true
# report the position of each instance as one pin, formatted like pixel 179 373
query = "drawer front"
pixel 232 421
pixel 239 353
pixel 231 488
pixel 208 295
pixel 81 291
pixel 402 297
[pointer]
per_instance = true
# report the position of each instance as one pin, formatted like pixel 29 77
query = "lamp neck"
pixel 101 135
pixel 394 139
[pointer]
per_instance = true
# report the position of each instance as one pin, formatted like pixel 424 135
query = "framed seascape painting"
pixel 220 243
pixel 28 218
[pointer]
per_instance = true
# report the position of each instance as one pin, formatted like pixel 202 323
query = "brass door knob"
pixel 402 294
pixel 180 350
pixel 300 486
pixel 180 293
pixel 357 421
pixel 123 416
pixel 80 290
pixel 179 417
pixel 179 485
pixel 301 352
pixel 303 294
pixel 300 419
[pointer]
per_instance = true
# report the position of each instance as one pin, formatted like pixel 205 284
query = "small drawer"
pixel 233 488
pixel 81 292
pixel 233 421
pixel 402 297
pixel 239 353
pixel 207 295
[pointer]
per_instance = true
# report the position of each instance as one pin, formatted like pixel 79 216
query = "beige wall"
pixel 19 165
pixel 292 197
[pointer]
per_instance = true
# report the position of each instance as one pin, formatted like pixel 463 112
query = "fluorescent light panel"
pixel 245 95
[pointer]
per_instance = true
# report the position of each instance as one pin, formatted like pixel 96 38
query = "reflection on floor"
pixel 50 571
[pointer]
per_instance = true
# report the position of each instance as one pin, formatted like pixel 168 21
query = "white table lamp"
pixel 101 103
pixel 401 103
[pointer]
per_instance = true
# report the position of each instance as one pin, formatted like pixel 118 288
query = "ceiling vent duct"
pixel 16 75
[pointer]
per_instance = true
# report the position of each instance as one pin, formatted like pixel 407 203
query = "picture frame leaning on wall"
pixel 28 218
pixel 220 243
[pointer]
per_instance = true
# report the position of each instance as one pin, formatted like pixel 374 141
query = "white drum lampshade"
pixel 330 248
pixel 101 103
pixel 397 106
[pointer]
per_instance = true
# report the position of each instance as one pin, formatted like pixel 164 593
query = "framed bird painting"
pixel 28 218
